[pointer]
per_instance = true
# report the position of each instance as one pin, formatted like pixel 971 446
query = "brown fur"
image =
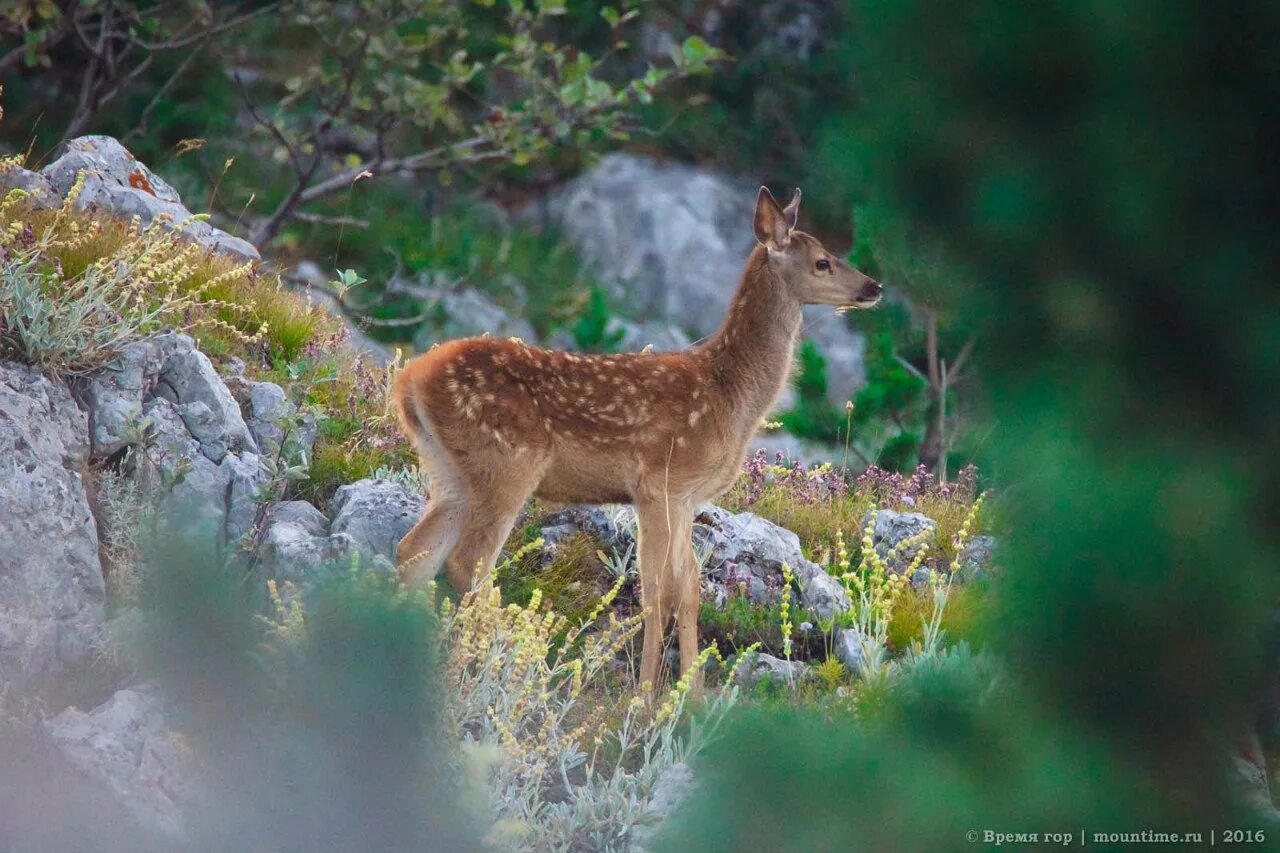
pixel 496 421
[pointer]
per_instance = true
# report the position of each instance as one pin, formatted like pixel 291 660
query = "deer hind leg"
pixel 423 551
pixel 688 584
pixel 494 499
pixel 665 549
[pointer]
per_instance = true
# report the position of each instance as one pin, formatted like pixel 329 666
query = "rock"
pixel 300 513
pixel 51 586
pixel 51 589
pixel 197 486
pixel 244 478
pixel 306 276
pixel 206 428
pixel 119 184
pixel 891 528
pixel 268 413
pixel 975 559
pixel 843 350
pixel 673 786
pixel 39 191
pixel 191 376
pixel 614 525
pixel 291 552
pixel 126 746
pixel 820 593
pixel 745 542
pixel 669 241
pixel 669 238
pixel 849 648
pixel 376 514
pixel 459 313
pixel 765 666
pixel 663 337
pixel 112 396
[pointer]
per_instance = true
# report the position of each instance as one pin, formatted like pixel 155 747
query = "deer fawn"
pixel 495 421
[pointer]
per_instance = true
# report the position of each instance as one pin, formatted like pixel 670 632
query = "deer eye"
pixel 823 265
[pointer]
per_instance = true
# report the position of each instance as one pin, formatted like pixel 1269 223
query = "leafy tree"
pixel 435 86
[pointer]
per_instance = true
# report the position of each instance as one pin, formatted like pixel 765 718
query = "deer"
pixel 495 421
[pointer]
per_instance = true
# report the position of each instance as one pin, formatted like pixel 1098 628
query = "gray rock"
pixel 674 785
pixel 849 648
pixel 269 413
pixel 126 747
pixel 975 559
pixel 191 376
pixel 244 478
pixel 613 524
pixel 670 240
pixel 51 585
pixel 746 543
pixel 198 487
pixel 842 348
pixel 891 528
pixel 663 337
pixel 119 184
pixel 209 430
pixel 39 191
pixel 376 514
pixel 112 396
pixel 463 312
pixel 821 594
pixel 291 552
pixel 763 666
pixel 300 513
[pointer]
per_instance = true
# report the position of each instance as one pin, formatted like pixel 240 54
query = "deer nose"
pixel 874 288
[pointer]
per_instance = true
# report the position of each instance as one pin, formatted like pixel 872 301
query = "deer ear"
pixel 770 222
pixel 792 211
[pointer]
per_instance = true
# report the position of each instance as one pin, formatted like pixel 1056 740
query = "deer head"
pixel 811 274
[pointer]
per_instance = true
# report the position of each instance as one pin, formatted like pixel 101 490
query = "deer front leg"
pixel 666 565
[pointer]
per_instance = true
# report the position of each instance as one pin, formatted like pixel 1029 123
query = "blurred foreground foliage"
pixel 1101 181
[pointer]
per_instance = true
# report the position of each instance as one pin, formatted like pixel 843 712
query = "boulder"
pixel 849 648
pixel 614 525
pixel 112 396
pixel 376 515
pixel 669 239
pixel 891 528
pixel 245 476
pixel 975 558
pixel 300 513
pixel 291 551
pixel 268 413
pixel 126 747
pixel 191 376
pixel 744 546
pixel 119 184
pixel 51 585
pixel 37 187
pixel 460 312
pixel 763 666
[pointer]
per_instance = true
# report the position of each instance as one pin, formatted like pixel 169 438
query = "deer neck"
pixel 750 354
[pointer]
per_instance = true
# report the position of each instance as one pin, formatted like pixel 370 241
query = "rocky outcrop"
pixel 126 746
pixel 741 548
pixel 119 184
pixel 744 547
pixel 893 528
pixel 51 585
pixel 376 515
